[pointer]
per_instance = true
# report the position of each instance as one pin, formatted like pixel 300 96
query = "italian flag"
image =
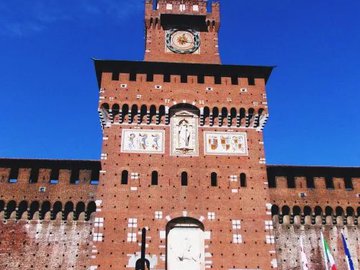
pixel 329 259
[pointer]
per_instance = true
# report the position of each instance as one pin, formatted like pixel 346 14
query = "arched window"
pixel 243 180
pixel 214 179
pixel 184 179
pixel 154 178
pixel 124 177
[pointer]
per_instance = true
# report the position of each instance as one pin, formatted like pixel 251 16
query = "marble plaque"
pixel 184 134
pixel 225 143
pixel 143 141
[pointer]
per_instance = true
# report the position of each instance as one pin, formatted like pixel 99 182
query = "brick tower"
pixel 183 151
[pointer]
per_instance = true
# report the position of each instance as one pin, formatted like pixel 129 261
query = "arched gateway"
pixel 185 244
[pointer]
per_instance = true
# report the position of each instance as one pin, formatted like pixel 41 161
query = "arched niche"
pixel 184 130
pixel 185 244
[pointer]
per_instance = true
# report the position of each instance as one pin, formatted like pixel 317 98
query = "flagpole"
pixel 349 262
pixel 324 252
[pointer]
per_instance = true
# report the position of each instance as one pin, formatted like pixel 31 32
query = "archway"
pixel 185 244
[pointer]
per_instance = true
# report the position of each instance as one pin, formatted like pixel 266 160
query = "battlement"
pixel 145 71
pixel 311 177
pixel 34 189
pixel 314 195
pixel 49 172
pixel 207 12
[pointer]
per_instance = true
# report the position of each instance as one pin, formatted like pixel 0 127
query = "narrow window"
pixel 214 179
pixel 243 180
pixel 124 177
pixel 184 179
pixel 154 178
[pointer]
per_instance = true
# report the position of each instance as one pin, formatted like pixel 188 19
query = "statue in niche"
pixel 184 134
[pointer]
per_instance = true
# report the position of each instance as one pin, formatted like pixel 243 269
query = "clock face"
pixel 182 41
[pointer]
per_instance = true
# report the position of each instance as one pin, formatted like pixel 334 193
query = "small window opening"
pixel 184 179
pixel 154 178
pixel 124 177
pixel 243 180
pixel 214 179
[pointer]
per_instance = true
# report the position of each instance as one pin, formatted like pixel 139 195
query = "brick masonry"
pixel 60 214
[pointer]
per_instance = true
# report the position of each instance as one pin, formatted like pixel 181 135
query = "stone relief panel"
pixel 184 134
pixel 143 141
pixel 225 143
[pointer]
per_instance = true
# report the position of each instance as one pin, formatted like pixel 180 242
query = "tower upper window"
pixel 214 179
pixel 124 177
pixel 154 178
pixel 184 179
pixel 195 7
pixel 169 6
pixel 243 180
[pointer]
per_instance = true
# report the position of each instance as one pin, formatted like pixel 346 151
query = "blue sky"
pixel 49 93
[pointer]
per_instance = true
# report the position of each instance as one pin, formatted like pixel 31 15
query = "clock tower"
pixel 182 152
pixel 182 31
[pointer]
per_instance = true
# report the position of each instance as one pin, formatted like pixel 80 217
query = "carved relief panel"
pixel 184 134
pixel 225 143
pixel 143 141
